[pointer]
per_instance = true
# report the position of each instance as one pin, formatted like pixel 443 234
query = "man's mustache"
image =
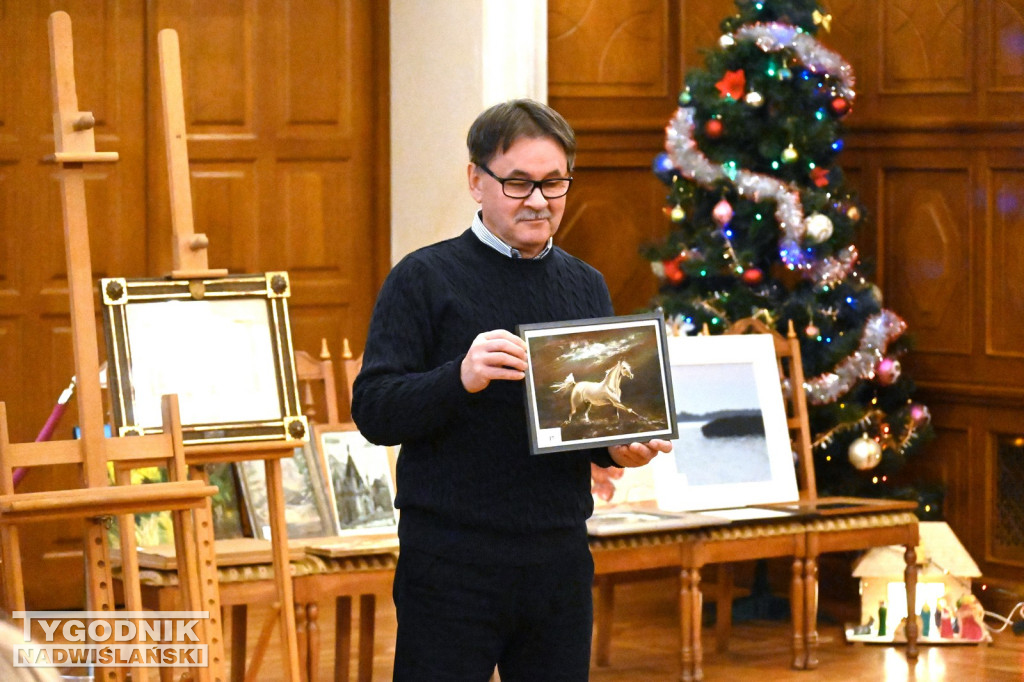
pixel 530 214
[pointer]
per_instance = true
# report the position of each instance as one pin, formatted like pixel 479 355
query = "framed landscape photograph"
pixel 597 382
pixel 733 446
pixel 223 345
pixel 360 478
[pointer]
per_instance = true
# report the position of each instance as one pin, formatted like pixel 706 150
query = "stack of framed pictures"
pixel 336 484
pixel 731 455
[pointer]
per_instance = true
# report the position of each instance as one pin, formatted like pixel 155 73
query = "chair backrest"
pixel 352 366
pixel 316 383
pixel 791 377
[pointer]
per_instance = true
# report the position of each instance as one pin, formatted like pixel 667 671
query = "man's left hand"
pixel 638 454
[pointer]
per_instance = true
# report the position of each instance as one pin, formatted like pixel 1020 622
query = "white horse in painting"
pixel 604 392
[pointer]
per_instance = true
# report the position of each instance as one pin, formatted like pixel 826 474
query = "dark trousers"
pixel 457 621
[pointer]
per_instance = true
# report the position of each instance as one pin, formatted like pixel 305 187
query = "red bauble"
pixel 819 176
pixel 840 106
pixel 713 128
pixel 673 273
pixel 752 276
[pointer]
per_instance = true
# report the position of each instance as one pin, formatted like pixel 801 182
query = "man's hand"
pixel 496 354
pixel 638 454
pixel 602 481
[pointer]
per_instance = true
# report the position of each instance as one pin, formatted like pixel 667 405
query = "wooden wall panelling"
pixel 614 73
pixel 1000 61
pixel 926 249
pixel 1002 271
pixel 610 229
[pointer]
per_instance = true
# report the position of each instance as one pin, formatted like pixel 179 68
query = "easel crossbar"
pixel 93 502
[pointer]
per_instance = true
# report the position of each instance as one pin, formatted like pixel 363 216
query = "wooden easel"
pixel 96 500
pixel 191 262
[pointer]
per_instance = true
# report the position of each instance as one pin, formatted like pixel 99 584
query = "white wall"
pixel 450 60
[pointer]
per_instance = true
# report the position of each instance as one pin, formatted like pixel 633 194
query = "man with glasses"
pixel 494 567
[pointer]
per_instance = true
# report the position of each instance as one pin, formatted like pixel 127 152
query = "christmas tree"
pixel 762 224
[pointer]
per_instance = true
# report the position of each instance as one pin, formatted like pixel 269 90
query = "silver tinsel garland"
pixel 879 331
pixel 775 36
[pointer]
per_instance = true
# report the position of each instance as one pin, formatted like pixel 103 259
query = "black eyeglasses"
pixel 521 188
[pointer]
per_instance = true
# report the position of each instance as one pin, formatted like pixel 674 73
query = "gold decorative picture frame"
pixel 223 345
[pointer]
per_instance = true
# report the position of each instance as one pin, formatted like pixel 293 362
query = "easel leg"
pixel 98 580
pixel 282 571
pixel 14 585
pixel 209 589
pixel 130 564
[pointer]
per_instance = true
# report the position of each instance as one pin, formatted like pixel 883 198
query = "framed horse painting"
pixel 597 382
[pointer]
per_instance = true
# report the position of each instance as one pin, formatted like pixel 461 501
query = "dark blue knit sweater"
pixel 468 487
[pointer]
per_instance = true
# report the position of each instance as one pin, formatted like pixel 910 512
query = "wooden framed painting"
pixel 360 477
pixel 223 345
pixel 597 382
pixel 733 446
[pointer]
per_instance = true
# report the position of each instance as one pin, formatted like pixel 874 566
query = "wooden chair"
pixel 352 365
pixel 803 537
pixel 347 579
pixel 245 576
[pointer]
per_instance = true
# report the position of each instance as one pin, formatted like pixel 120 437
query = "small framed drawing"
pixel 223 345
pixel 733 446
pixel 306 507
pixel 361 479
pixel 597 382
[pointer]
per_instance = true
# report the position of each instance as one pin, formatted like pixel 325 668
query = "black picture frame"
pixel 223 345
pixel 620 362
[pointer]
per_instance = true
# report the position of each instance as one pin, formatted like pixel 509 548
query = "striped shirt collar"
pixel 488 237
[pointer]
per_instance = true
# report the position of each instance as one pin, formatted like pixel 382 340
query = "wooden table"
pixel 803 536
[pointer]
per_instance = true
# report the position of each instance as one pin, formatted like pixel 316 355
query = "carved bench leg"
pixel 690 606
pixel 811 609
pixel 798 614
pixel 910 577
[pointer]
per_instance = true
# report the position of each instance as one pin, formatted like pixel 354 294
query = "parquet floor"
pixel 645 641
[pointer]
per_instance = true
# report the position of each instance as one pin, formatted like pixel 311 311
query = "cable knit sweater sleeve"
pixel 403 392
